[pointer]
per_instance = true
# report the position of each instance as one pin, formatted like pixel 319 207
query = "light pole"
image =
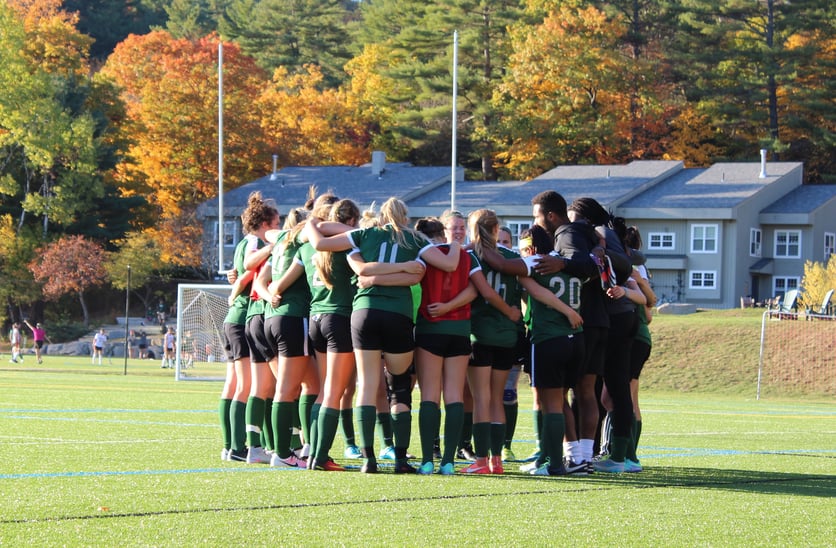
pixel 127 319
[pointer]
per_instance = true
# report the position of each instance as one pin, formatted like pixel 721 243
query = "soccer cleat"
pixel 426 469
pixel 329 466
pixel 387 453
pixel 632 466
pixel 575 469
pixel 527 468
pixel 508 455
pixel 257 455
pixel 369 467
pixel 532 457
pixel 496 465
pixel 239 455
pixel 446 469
pixel 404 468
pixel 547 470
pixel 608 466
pixel 225 454
pixel 352 452
pixel 476 469
pixel 465 452
pixel 290 462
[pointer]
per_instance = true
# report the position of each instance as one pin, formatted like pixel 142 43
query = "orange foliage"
pixel 312 126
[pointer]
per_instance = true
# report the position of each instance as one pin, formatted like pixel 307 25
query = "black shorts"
pixel 331 333
pixel 39 344
pixel 260 349
pixel 382 330
pixel 638 356
pixel 596 350
pixel 96 348
pixel 495 357
pixel 446 346
pixel 289 336
pixel 235 342
pixel 555 363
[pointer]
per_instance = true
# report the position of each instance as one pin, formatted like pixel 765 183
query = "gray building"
pixel 711 235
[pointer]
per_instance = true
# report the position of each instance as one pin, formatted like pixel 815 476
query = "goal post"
pixel 199 346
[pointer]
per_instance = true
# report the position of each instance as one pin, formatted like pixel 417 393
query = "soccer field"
pixel 92 457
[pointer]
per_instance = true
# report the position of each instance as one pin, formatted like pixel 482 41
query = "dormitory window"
pixel 755 238
pixel 783 284
pixel 517 227
pixel 703 279
pixel 704 238
pixel 788 244
pixel 829 245
pixel 661 240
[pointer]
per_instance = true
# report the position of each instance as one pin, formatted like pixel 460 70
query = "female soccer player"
pixel 381 322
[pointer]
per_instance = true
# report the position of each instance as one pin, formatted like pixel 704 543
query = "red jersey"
pixel 438 286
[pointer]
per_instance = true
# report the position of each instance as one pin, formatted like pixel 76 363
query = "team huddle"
pixel 335 318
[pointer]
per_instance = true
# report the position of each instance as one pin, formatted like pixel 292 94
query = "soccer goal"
pixel 201 309
pixel 797 355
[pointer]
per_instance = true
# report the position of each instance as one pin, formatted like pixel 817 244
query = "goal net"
pixel 201 309
pixel 797 355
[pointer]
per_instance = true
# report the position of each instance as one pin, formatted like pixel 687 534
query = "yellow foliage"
pixel 818 279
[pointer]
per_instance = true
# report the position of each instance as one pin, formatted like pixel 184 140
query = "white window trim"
pixel 662 238
pixel 787 285
pixel 230 235
pixel 831 248
pixel 788 234
pixel 758 252
pixel 519 225
pixel 716 228
pixel 702 274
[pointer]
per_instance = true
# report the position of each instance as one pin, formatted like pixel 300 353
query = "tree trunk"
pixel 84 312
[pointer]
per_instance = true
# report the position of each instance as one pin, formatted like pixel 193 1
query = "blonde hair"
pixel 369 218
pixel 483 225
pixel 341 211
pixel 394 212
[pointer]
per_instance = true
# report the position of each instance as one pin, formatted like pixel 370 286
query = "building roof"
pixel 802 199
pixel 723 186
pixel 289 186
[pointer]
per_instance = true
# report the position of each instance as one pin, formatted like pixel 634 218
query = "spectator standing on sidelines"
pixel 39 335
pixel 168 349
pixel 142 343
pixel 99 340
pixel 14 339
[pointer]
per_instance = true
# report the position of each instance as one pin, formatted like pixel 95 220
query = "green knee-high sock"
pixel 453 418
pixel 384 421
pixel 554 427
pixel 255 418
pixel 402 430
pixel 538 428
pixel 511 412
pixel 238 419
pixel 305 404
pixel 283 414
pixel 366 415
pixel 296 428
pixel 226 425
pixel 497 438
pixel 467 428
pixel 481 438
pixel 326 430
pixel 315 408
pixel 429 421
pixel 267 427
pixel 347 425
pixel 631 446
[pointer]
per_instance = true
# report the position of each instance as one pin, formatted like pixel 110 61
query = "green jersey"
pixel 546 322
pixel 296 299
pixel 489 325
pixel 238 311
pixel 380 244
pixel 337 299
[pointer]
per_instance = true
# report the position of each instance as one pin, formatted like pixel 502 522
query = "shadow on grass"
pixel 753 481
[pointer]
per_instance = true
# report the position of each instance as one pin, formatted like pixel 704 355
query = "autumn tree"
pixel 71 264
pixel 140 252
pixel 562 93
pixel 170 87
